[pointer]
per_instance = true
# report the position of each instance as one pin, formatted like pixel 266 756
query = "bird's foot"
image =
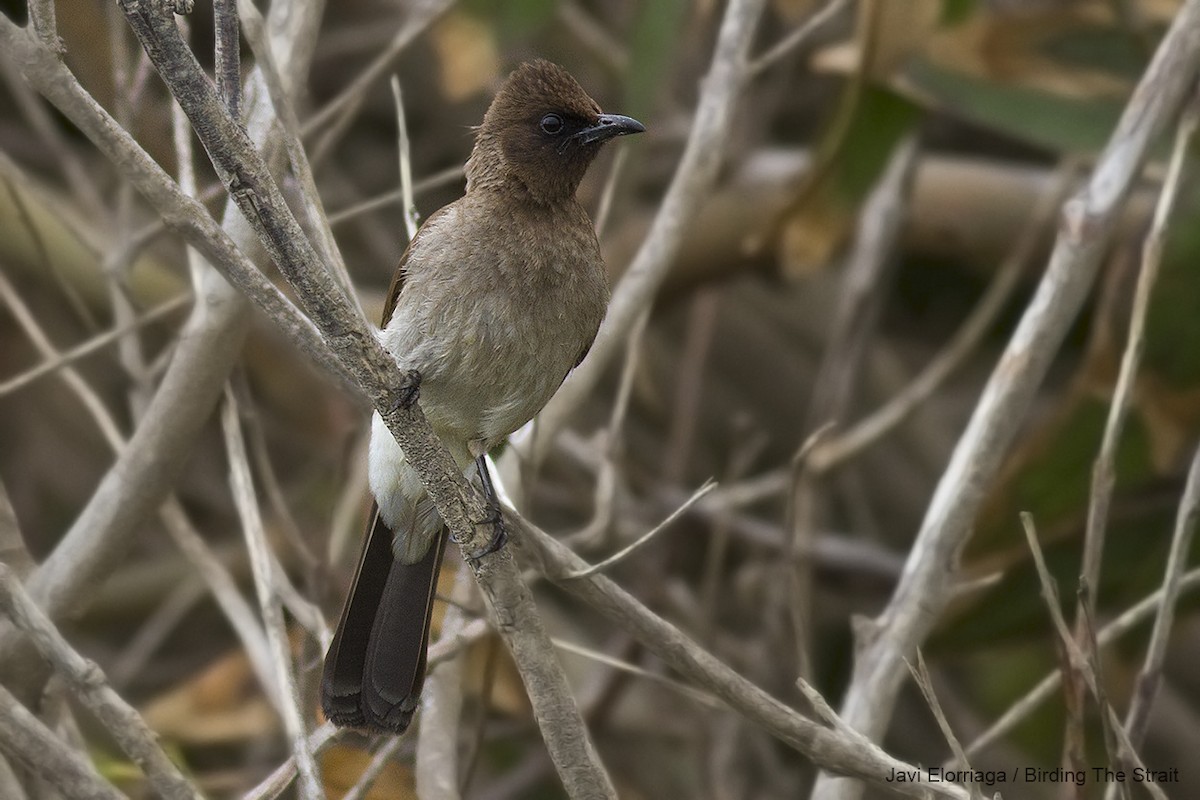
pixel 499 536
pixel 407 397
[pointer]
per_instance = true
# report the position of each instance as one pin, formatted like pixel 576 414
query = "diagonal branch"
pixel 376 373
pixel 1086 225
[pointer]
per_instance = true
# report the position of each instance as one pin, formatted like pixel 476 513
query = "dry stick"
pixel 228 55
pixel 434 181
pixel 69 357
pixel 1087 223
pixel 694 178
pixel 1118 752
pixel 50 137
pixel 1137 719
pixel 138 648
pixel 1048 686
pixel 45 22
pixel 437 762
pixel 242 170
pixel 636 544
pixel 802 34
pixel 278 781
pixel 594 36
pixel 866 277
pixel 88 684
pixel 174 517
pixel 340 111
pixel 412 220
pixel 262 566
pixel 839 750
pixel 391 745
pixel 599 528
pixel 1079 662
pixel 254 26
pixel 289 528
pixel 843 445
pixel 12 543
pixel 37 336
pixel 688 691
pixel 220 584
pixel 26 740
pixel 281 778
pixel 1104 469
pixel 924 681
pixel 144 472
pixel 10 785
pixel 129 79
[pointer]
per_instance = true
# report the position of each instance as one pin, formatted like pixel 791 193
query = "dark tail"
pixel 375 667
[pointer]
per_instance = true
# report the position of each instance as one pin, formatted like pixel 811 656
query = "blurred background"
pixel 890 178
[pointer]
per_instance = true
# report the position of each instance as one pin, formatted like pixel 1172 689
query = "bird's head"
pixel 542 130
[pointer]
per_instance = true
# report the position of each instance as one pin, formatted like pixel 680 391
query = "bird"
pixel 495 300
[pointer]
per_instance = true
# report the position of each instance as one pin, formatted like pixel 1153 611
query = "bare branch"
pixel 1137 719
pixel 829 749
pixel 1104 469
pixel 376 373
pixel 1087 223
pixel 263 567
pixel 24 738
pixel 88 683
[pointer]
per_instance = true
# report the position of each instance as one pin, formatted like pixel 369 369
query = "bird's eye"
pixel 551 124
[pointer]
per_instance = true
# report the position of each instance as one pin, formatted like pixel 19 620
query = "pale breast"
pixel 494 314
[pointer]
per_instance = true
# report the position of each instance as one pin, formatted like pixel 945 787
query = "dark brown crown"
pixel 513 146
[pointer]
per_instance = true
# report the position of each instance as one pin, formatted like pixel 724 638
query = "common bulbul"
pixel 495 300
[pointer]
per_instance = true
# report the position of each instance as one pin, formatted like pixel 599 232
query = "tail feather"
pixel 375 667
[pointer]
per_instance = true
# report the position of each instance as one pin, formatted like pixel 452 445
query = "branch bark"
pixel 1085 229
pixel 375 372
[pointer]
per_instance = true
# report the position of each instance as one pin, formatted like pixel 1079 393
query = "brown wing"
pixel 397 284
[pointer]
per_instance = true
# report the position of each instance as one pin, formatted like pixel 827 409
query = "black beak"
pixel 609 126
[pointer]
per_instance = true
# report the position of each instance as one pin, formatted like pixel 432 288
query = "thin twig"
pixel 835 750
pixel 843 445
pixel 89 685
pixel 435 181
pixel 1116 739
pixel 93 344
pixel 624 552
pixel 318 222
pixel 437 763
pixel 1137 719
pixel 866 278
pixel 242 487
pixel 684 689
pixel 339 111
pixel 604 497
pixel 281 778
pixel 390 747
pixel 798 37
pixel 1104 469
pixel 924 681
pixel 1087 225
pixel 412 220
pixel 31 744
pixel 1047 686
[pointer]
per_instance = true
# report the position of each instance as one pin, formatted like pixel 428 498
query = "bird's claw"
pixel 498 540
pixel 406 398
